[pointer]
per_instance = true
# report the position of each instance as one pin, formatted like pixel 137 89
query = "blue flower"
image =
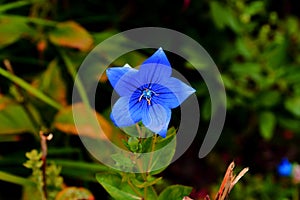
pixel 284 168
pixel 147 94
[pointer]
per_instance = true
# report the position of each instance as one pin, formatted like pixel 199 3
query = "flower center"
pixel 147 94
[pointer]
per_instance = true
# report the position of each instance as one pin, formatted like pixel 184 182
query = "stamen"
pixel 147 94
pixel 141 97
pixel 149 101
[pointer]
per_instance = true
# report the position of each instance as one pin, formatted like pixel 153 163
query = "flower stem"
pixel 151 156
pixel 133 188
pixel 138 128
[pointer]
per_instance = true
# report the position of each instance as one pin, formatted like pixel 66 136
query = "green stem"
pixel 21 98
pixel 13 5
pixel 296 193
pixel 77 81
pixel 138 129
pixel 134 189
pixel 81 166
pixel 41 21
pixel 4 176
pixel 26 86
pixel 76 78
pixel 152 150
pixel 145 193
pixel 34 20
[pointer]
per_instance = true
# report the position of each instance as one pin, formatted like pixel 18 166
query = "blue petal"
pixel 157 119
pixel 156 68
pixel 163 132
pixel 123 79
pixel 285 167
pixel 164 96
pixel 125 112
pixel 174 92
pixel 115 73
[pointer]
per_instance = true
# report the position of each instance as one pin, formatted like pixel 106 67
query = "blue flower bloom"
pixel 147 94
pixel 284 168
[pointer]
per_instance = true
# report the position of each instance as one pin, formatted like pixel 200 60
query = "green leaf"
pixel 112 183
pixel 277 53
pixel 246 69
pixel 32 192
pixel 170 139
pixel 290 124
pixel 13 5
pixel 134 144
pixel 292 25
pixel 72 35
pixel 12 29
pixel 292 75
pixel 80 170
pixel 245 47
pixel 293 105
pixel 103 35
pixel 151 193
pixel 268 98
pixel 51 83
pixel 254 7
pixel 26 86
pixel 165 150
pixel 175 192
pixel 122 160
pixel 14 118
pixel 267 123
pixel 218 13
pixel 222 16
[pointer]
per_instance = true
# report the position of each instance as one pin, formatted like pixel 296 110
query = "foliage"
pixel 255 45
pixel 48 184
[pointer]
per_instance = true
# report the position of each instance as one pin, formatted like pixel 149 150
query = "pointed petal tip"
pixel 160 50
pixel 127 65
pixel 163 133
pixel 108 72
pixel 192 90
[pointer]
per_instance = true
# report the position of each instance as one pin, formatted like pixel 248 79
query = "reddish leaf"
pixel 71 34
pixel 64 121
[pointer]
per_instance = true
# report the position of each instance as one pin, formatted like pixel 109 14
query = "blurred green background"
pixel 255 44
